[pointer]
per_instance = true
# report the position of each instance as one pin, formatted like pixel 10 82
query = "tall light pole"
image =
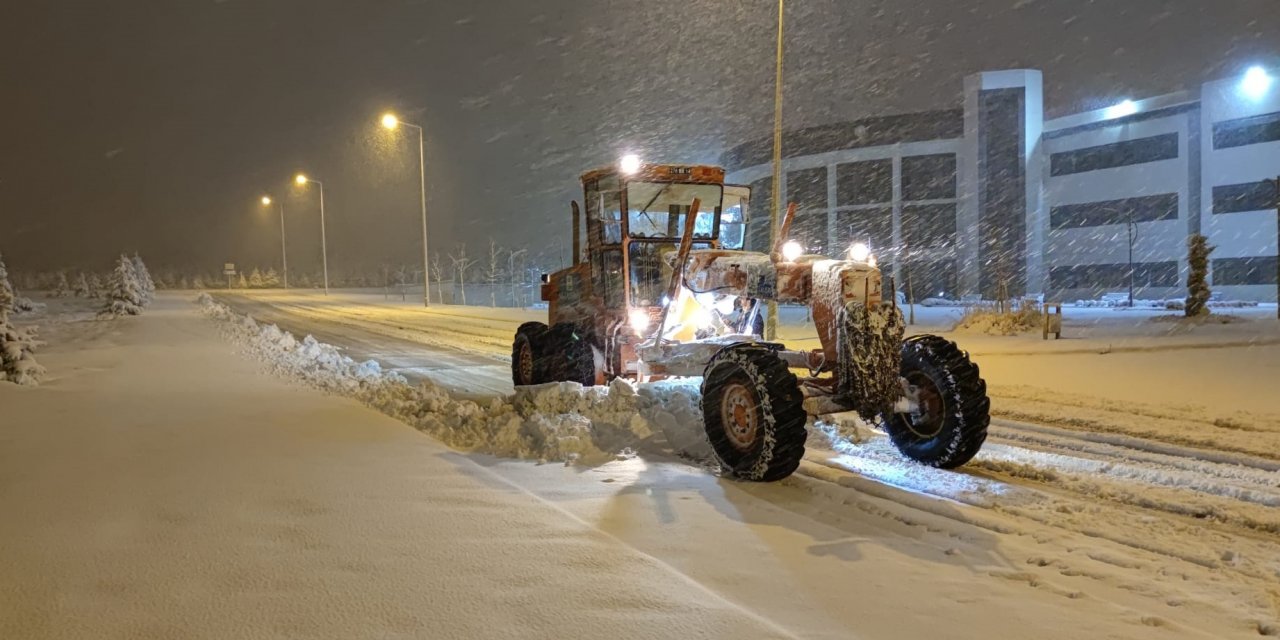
pixel 390 121
pixel 284 252
pixel 771 320
pixel 302 180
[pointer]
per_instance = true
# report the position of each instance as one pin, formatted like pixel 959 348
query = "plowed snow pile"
pixel 560 422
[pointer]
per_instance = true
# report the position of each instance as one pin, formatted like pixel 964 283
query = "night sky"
pixel 156 126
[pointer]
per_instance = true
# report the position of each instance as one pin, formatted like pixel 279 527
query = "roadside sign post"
pixel 229 270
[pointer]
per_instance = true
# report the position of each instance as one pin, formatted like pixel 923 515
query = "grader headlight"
pixel 860 252
pixel 639 320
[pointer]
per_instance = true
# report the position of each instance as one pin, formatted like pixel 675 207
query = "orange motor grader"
pixel 665 289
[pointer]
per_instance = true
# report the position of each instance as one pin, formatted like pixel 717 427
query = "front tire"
pixel 527 357
pixel 753 413
pixel 950 422
pixel 569 356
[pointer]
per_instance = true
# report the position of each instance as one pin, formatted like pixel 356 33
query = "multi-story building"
pixel 964 201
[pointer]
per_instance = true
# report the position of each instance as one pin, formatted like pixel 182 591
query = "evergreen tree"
pixel 7 295
pixel 197 282
pixel 184 283
pixel 1198 293
pixel 124 293
pixel 271 279
pixel 243 284
pixel 255 279
pixel 17 346
pixel 95 286
pixel 81 287
pixel 61 288
pixel 145 284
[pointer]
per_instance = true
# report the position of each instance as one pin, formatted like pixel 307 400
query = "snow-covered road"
pixel 1169 503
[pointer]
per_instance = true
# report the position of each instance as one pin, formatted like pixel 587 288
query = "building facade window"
pixel 1099 276
pixel 1105 212
pixel 872 225
pixel 1249 196
pixel 863 183
pixel 1246 131
pixel 931 177
pixel 1116 154
pixel 1245 271
pixel 929 227
pixel 807 188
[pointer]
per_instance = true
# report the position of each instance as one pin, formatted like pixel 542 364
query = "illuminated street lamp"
pixel 1256 83
pixel 390 121
pixel 302 180
pixel 284 253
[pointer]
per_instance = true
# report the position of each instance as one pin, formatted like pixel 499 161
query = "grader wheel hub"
pixel 526 362
pixel 738 412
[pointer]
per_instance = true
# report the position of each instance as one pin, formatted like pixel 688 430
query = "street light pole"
pixel 390 121
pixel 771 320
pixel 324 241
pixel 284 252
pixel 284 249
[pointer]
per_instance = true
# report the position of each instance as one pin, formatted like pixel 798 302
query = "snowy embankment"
pixel 557 422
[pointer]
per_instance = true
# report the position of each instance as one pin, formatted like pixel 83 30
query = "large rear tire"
pixel 953 411
pixel 527 356
pixel 753 413
pixel 568 355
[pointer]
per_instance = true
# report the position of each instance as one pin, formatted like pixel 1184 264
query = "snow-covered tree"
pixel 95 286
pixel 460 267
pixel 197 282
pixel 438 273
pixel 242 283
pixel 124 292
pixel 145 284
pixel 1198 293
pixel 17 346
pixel 255 279
pixel 81 287
pixel 494 271
pixel 61 288
pixel 271 279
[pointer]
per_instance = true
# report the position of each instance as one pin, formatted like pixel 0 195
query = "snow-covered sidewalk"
pixel 159 486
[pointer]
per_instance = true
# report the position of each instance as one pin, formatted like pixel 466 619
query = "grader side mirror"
pixel 546 278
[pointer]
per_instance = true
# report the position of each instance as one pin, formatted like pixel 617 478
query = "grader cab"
pixel 664 289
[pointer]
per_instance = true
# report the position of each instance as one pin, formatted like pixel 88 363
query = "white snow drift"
pixel 562 422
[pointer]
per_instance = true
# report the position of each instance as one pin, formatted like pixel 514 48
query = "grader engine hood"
pixel 748 274
pixel 811 279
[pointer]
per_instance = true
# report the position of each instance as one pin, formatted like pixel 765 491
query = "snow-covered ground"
pixel 191 494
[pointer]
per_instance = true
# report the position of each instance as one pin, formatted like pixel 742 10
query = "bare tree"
pixel 511 269
pixel 494 272
pixel 438 272
pixel 460 266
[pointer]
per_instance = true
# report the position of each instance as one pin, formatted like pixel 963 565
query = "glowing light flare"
pixel 1122 109
pixel 390 121
pixel 266 200
pixel 629 164
pixel 300 179
pixel 639 319
pixel 792 250
pixel 1256 83
pixel 859 252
